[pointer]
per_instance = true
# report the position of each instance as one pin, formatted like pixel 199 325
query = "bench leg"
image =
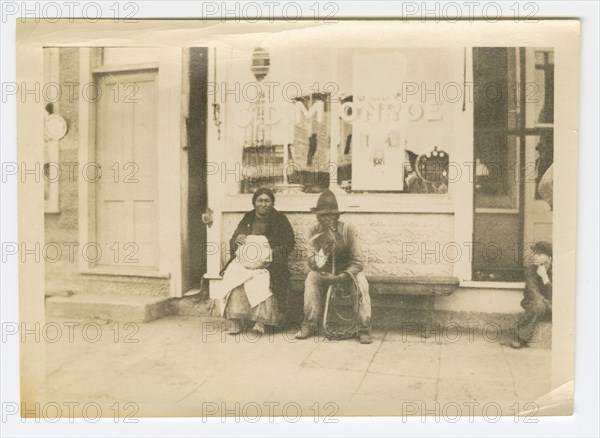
pixel 430 320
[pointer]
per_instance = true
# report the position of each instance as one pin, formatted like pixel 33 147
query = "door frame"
pixel 169 67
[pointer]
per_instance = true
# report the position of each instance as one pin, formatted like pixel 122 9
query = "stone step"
pixel 121 308
pixel 197 307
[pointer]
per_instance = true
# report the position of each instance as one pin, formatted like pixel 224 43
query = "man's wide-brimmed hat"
pixel 542 247
pixel 327 204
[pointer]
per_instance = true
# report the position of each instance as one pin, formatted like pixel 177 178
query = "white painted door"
pixel 126 195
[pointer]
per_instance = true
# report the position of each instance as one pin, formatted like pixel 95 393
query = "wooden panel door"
pixel 126 201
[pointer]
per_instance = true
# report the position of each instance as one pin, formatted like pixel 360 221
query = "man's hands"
pixel 329 278
pixel 543 273
pixel 317 261
pixel 312 263
pixel 548 304
pixel 240 239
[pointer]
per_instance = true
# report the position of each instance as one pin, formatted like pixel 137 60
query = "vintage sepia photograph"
pixel 297 220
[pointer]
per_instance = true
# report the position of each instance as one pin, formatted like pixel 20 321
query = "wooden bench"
pixel 428 287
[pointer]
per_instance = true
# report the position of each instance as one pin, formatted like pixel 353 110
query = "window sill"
pixel 125 272
pixel 481 210
pixel 350 203
pixel 492 285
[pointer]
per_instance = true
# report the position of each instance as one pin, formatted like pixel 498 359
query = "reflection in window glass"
pixel 496 170
pixel 544 81
pixel 544 157
pixel 370 120
pixel 496 152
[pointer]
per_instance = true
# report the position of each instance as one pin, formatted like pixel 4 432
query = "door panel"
pixel 496 252
pixel 126 152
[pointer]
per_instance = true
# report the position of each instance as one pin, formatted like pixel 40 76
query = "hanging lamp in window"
pixel 260 63
pixel 260 68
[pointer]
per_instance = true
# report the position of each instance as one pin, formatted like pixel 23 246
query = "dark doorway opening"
pixel 197 196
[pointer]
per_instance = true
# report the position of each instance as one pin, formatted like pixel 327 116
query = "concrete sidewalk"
pixel 187 366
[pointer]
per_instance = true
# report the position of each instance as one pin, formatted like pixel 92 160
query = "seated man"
pixel 537 300
pixel 336 257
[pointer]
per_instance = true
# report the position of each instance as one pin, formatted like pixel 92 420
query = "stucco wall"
pixel 61 229
pixel 393 243
pixel 384 236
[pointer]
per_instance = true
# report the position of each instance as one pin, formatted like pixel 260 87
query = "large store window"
pixel 301 119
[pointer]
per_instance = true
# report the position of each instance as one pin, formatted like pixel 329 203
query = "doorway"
pixel 513 147
pixel 194 257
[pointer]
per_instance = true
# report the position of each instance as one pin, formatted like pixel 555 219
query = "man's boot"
pixel 364 338
pixel 304 332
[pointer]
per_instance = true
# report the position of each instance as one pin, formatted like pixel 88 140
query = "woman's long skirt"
pixel 238 307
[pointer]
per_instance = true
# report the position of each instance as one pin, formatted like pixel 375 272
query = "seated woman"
pixel 264 220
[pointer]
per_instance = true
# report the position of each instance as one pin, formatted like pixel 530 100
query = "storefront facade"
pixel 433 153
